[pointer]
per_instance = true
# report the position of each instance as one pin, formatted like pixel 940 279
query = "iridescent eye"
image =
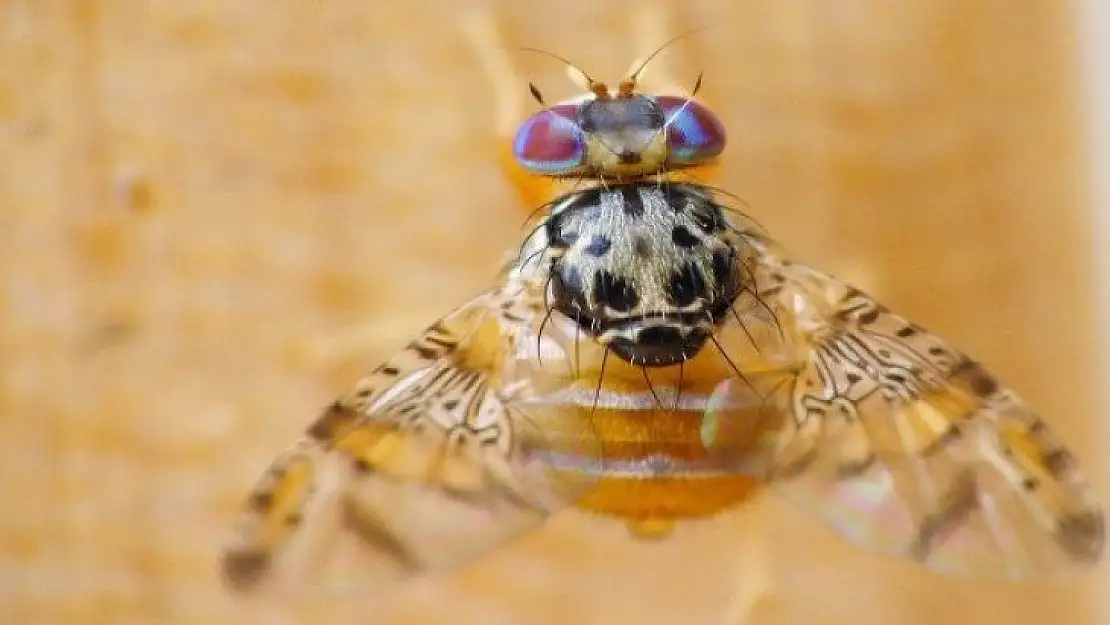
pixel 551 142
pixel 694 134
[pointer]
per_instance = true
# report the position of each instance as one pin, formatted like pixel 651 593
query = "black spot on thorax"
pixel 686 285
pixel 599 246
pixel 682 237
pixel 725 270
pixel 632 203
pixel 559 238
pixel 568 288
pixel 614 292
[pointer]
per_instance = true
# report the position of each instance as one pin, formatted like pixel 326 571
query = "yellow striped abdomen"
pixel 656 461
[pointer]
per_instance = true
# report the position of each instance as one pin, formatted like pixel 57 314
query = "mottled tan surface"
pixel 204 205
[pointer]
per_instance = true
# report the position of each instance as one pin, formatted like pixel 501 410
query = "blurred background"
pixel 215 215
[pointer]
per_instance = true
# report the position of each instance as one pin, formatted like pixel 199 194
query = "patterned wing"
pixel 429 461
pixel 909 447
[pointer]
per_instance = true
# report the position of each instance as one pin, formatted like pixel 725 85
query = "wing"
pixel 426 463
pixel 909 447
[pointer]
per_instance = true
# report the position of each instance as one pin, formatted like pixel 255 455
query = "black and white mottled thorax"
pixel 647 269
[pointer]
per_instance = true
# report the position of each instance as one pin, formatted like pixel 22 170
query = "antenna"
pixel 598 88
pixel 629 84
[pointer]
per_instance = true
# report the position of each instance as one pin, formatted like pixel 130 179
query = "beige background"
pixel 214 215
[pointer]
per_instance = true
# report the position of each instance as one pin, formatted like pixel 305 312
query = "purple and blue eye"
pixel 550 142
pixel 694 134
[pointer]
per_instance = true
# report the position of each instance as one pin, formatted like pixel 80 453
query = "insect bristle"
pixel 536 94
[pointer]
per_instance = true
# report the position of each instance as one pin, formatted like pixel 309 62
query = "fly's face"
pixel 624 133
pixel 618 135
pixel 643 269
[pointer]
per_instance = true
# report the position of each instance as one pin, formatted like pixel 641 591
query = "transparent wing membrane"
pixel 908 447
pixel 428 463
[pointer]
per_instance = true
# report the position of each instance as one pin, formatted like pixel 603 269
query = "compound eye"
pixel 694 134
pixel 550 142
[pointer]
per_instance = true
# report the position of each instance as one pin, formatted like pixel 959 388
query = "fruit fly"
pixel 650 355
